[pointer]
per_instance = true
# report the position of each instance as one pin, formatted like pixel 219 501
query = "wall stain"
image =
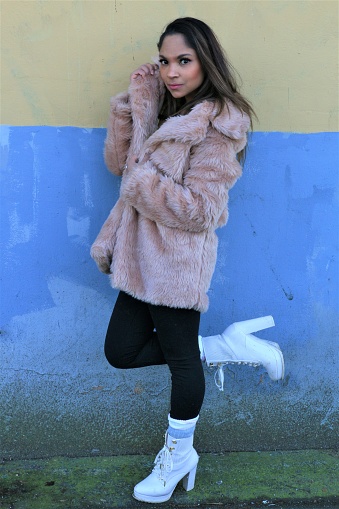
pixel 288 294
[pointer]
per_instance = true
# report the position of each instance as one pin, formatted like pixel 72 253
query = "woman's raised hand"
pixel 145 70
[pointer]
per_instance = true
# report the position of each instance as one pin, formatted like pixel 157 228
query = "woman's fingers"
pixel 144 70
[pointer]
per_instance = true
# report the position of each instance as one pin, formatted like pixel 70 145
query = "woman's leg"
pixel 177 331
pixel 130 340
pixel 178 336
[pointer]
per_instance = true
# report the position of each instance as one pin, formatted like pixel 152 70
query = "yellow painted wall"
pixel 63 59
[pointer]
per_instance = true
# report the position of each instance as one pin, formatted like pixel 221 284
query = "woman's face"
pixel 180 68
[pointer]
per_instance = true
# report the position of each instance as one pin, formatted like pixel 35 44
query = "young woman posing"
pixel 176 138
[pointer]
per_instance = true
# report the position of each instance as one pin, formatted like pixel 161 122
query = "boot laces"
pixel 163 464
pixel 219 377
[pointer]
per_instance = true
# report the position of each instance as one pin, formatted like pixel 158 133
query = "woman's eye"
pixel 163 62
pixel 184 61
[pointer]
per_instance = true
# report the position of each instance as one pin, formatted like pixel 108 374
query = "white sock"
pixel 181 429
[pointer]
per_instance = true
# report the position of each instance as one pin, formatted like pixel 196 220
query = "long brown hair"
pixel 219 85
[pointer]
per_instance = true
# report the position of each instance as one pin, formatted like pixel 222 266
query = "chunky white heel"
pixel 253 325
pixel 189 480
pixel 176 461
pixel 237 345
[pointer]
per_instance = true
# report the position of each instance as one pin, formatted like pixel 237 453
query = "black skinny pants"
pixel 141 334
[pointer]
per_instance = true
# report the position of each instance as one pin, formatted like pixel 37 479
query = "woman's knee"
pixel 113 357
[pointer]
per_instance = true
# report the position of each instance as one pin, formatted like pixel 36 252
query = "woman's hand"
pixel 145 70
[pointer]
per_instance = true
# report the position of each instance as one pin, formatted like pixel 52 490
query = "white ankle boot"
pixel 236 345
pixel 177 460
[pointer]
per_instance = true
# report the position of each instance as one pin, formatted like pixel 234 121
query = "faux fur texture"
pixel 159 242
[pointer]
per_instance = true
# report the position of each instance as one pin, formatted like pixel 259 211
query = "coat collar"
pixel 191 128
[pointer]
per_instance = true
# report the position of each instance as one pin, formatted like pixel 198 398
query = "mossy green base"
pixel 102 482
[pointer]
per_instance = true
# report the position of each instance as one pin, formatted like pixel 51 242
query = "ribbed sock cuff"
pixel 181 429
pixel 180 433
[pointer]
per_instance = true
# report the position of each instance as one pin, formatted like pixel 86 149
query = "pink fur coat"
pixel 159 242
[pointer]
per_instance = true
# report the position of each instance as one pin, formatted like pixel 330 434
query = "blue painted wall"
pixel 278 255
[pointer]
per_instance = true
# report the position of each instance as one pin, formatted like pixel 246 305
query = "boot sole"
pixel 152 500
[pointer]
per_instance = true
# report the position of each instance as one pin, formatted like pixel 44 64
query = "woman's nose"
pixel 172 71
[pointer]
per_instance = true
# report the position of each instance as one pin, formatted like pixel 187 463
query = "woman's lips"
pixel 174 86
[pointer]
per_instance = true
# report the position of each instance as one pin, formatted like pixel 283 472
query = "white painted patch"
pixel 4 144
pixel 19 232
pixel 78 226
pixel 4 135
pixel 87 192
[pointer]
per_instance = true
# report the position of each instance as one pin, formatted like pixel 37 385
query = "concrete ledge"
pixel 254 479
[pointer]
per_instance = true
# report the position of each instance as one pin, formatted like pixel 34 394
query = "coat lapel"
pixel 190 129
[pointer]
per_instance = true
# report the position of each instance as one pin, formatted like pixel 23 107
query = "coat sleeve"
pixel 103 246
pixel 119 133
pixel 199 201
pixel 133 118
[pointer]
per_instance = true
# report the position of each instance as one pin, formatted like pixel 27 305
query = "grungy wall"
pixel 61 61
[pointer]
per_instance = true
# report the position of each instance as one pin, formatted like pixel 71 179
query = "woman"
pixel 176 138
